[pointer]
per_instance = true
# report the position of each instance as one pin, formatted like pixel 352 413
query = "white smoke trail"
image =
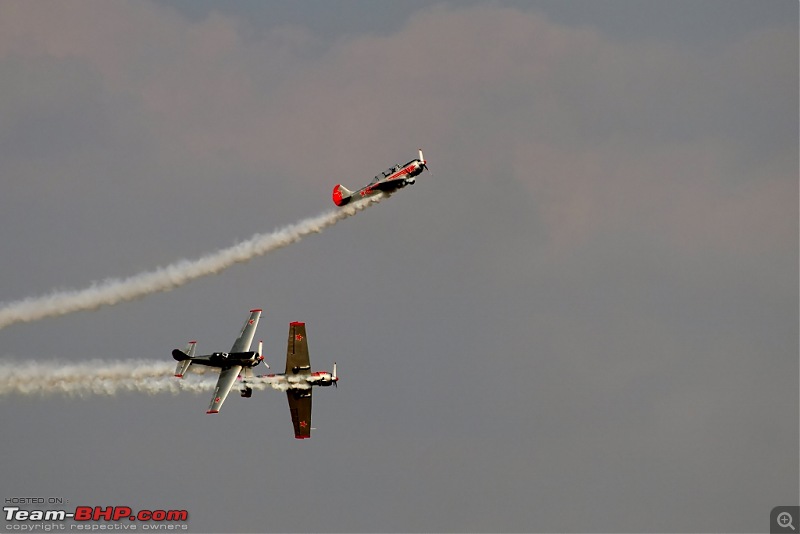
pixel 92 377
pixel 98 377
pixel 114 291
pixel 281 383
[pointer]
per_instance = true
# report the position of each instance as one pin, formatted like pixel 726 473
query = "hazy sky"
pixel 584 320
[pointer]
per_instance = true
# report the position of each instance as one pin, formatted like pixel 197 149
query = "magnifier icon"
pixel 785 520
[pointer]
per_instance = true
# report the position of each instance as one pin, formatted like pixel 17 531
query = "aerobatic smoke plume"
pixel 113 291
pixel 98 377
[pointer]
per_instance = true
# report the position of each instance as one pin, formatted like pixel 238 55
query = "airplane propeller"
pixel 423 163
pixel 261 353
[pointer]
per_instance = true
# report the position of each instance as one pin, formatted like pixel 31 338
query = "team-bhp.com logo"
pixel 96 514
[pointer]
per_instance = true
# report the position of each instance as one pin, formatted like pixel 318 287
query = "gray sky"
pixel 585 320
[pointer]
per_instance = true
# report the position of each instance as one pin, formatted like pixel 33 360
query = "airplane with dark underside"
pixel 299 380
pixel 237 365
pixel 388 181
pixel 233 365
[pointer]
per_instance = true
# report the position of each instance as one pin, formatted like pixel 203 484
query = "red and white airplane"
pixel 388 181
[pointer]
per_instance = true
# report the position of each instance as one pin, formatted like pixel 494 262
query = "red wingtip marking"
pixel 302 437
pixel 256 310
pixel 179 376
pixel 212 411
pixel 296 324
pixel 192 342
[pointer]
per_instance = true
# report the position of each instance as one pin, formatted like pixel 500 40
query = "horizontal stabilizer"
pixel 182 368
pixel 186 360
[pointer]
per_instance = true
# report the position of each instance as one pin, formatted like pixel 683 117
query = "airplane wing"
pixel 226 379
pixel 389 185
pixel 242 343
pixel 298 365
pixel 297 360
pixel 300 408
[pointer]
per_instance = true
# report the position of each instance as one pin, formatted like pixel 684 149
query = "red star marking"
pixel 298 337
pixel 250 321
pixel 303 424
pixel 216 400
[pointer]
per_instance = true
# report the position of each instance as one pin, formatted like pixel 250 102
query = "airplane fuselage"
pixel 222 359
pixel 245 359
pixel 318 378
pixel 237 366
pixel 388 181
pixel 409 170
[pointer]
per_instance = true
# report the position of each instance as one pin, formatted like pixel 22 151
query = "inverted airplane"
pixel 388 181
pixel 298 379
pixel 238 362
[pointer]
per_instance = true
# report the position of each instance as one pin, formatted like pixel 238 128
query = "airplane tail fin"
pixel 334 376
pixel 341 195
